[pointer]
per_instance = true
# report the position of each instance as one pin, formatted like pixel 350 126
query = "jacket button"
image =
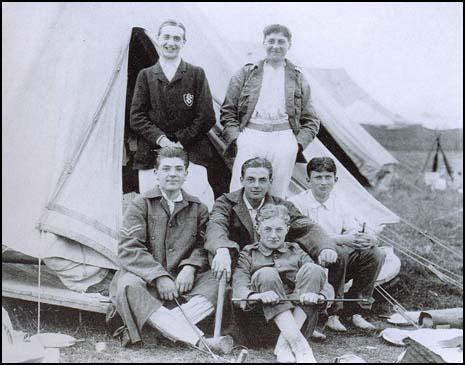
pixel 153 237
pixel 171 250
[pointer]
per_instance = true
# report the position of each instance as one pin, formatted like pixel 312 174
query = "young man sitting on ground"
pixel 162 257
pixel 360 258
pixel 271 270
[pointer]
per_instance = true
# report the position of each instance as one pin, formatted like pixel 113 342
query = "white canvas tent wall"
pixel 63 118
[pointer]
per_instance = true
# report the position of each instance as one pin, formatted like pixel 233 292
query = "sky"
pixel 408 56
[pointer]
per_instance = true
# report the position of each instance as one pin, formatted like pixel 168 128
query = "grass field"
pixel 415 287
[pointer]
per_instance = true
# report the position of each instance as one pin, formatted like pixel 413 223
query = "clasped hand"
pixel 169 289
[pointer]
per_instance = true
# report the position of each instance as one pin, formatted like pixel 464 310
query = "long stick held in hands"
pixel 297 301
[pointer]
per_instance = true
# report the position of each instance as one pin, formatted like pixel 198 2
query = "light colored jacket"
pixel 242 96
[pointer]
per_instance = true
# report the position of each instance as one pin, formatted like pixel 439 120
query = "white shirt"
pixel 271 103
pixel 169 68
pixel 171 203
pixel 253 212
pixel 333 215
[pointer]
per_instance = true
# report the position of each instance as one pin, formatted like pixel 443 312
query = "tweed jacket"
pixel 181 109
pixel 155 243
pixel 230 226
pixel 242 96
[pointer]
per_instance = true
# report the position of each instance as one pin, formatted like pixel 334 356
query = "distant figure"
pixel 267 112
pixel 172 106
pixel 360 258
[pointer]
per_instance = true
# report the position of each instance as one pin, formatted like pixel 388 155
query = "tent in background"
pixel 64 105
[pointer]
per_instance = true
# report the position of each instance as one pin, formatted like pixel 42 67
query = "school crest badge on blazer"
pixel 188 99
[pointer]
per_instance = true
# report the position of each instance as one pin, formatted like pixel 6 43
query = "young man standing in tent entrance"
pixel 232 222
pixel 361 259
pixel 267 112
pixel 172 106
pixel 162 257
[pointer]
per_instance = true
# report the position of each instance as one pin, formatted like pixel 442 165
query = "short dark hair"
pixel 321 164
pixel 171 152
pixel 255 163
pixel 173 23
pixel 271 211
pixel 277 28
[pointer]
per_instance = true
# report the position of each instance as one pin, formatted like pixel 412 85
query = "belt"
pixel 269 127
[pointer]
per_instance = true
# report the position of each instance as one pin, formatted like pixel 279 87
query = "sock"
pixel 197 308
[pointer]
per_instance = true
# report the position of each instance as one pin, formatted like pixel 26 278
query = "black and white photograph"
pixel 232 182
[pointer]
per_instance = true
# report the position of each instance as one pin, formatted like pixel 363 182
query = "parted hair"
pixel 257 162
pixel 277 28
pixel 272 211
pixel 171 152
pixel 321 164
pixel 173 23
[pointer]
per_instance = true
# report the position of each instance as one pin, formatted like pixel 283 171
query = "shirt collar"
pixel 268 65
pixel 314 204
pixel 165 64
pixel 177 199
pixel 267 252
pixel 249 206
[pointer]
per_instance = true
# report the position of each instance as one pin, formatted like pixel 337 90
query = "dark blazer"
pixel 231 226
pixel 181 109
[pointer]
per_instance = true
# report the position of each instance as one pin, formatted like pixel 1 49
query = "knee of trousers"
pixel 311 271
pixel 375 255
pixel 130 281
pixel 266 275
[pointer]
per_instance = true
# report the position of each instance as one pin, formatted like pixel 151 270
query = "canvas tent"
pixel 64 94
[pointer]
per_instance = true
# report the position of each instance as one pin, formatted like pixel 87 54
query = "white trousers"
pixel 196 183
pixel 280 148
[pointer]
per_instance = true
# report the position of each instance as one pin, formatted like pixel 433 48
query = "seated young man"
pixel 271 270
pixel 162 257
pixel 361 259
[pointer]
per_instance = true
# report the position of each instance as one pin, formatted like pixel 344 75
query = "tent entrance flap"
pixel 142 53
pixel 325 137
pixel 86 205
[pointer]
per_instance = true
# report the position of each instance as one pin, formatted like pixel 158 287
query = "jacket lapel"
pixel 179 72
pixel 243 214
pixel 289 87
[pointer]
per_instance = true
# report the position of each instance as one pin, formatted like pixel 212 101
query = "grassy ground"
pixel 415 287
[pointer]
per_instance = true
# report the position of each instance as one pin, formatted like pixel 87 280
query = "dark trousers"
pixel 363 267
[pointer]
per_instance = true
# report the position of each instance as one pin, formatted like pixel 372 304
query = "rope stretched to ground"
pixel 432 238
pixel 38 298
pixel 412 255
pixel 448 215
pixel 400 247
pixel 395 304
pixel 449 280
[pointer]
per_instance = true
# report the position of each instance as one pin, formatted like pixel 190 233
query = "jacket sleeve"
pixel 308 234
pixel 199 256
pixel 230 109
pixel 309 120
pixel 204 114
pixel 141 120
pixel 218 227
pixel 133 254
pixel 242 276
